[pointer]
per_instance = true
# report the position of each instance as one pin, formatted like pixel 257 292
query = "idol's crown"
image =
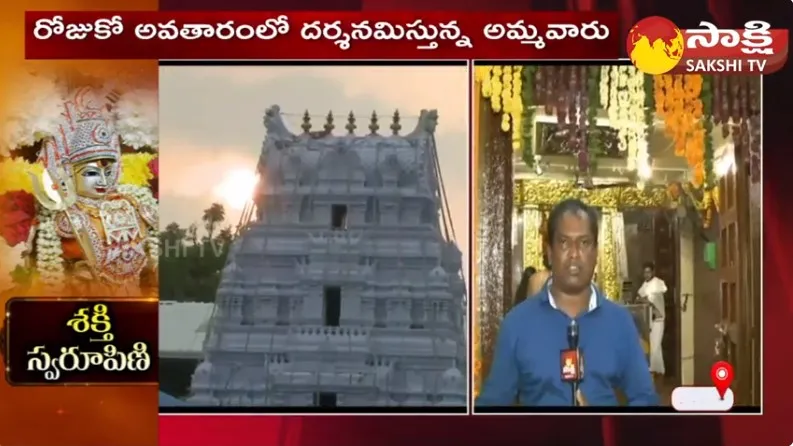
pixel 87 131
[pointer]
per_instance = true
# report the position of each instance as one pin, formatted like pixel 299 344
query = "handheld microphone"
pixel 572 341
pixel 572 335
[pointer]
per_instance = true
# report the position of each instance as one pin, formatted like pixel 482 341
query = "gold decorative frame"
pixel 546 193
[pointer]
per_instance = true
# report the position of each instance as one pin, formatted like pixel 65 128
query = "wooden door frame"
pixel 756 237
pixel 747 300
pixel 742 306
pixel 672 325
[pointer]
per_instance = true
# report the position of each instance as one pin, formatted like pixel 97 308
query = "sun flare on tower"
pixel 236 188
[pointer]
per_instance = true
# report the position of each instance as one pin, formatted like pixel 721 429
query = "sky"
pixel 211 126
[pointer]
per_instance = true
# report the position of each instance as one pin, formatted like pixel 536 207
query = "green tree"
pixel 174 233
pixel 225 237
pixel 192 234
pixel 190 268
pixel 213 215
pixel 173 268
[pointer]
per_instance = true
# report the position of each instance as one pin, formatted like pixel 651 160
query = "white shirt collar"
pixel 593 301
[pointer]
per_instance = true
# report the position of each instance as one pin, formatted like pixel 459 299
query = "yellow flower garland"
pixel 14 172
pixel 677 101
pixel 503 86
pixel 135 169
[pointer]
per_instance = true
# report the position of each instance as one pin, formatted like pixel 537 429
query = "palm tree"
pixel 213 215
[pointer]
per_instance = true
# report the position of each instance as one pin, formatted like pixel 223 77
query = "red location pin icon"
pixel 722 376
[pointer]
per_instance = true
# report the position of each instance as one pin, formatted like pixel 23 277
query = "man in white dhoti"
pixel 652 291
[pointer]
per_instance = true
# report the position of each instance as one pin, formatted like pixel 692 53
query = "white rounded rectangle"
pixel 701 399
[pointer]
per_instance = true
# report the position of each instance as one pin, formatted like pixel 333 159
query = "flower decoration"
pixel 38 107
pixel 622 94
pixel 17 204
pixel 137 118
pixel 40 110
pixel 135 168
pixel 678 101
pixel 39 103
pixel 15 174
pixel 510 91
pixel 18 209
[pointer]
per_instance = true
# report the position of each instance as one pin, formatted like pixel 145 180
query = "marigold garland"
pixel 678 102
pixel 503 86
pixel 135 169
pixel 511 91
pixel 707 109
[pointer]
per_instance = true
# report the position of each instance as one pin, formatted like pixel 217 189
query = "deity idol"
pixel 91 236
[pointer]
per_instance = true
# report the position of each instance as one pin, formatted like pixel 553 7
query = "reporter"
pixel 526 363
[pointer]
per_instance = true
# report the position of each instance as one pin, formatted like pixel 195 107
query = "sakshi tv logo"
pixel 657 46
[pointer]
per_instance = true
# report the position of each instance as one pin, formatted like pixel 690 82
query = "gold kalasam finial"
pixel 306 122
pixel 329 122
pixel 396 126
pixel 351 123
pixel 373 125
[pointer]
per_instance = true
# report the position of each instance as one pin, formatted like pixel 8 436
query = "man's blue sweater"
pixel 527 363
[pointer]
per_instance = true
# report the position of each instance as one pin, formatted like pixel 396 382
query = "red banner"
pixel 77 342
pixel 321 35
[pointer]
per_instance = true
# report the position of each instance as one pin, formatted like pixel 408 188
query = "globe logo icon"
pixel 655 45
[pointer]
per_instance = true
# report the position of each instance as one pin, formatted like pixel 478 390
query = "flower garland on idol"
pixel 136 122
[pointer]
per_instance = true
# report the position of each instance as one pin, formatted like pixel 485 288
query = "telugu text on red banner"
pixel 80 342
pixel 321 35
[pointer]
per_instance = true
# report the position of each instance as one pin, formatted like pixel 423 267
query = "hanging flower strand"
pixel 528 99
pixel 517 109
pixel 622 90
pixel 594 102
pixel 497 87
pixel 506 98
pixel 678 103
pixel 649 103
pixel 482 74
pixel 636 130
pixel 707 111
